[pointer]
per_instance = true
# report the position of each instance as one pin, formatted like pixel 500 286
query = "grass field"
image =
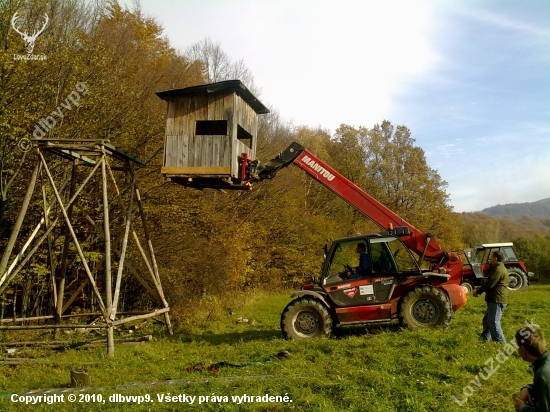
pixel 374 368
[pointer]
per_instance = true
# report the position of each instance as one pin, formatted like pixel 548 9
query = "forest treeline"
pixel 209 244
pixel 538 209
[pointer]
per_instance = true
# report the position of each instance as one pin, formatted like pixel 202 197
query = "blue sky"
pixel 470 79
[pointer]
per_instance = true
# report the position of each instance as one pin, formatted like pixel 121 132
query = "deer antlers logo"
pixel 29 39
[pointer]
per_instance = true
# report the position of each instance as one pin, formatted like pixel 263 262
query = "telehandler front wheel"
pixel 425 307
pixel 305 318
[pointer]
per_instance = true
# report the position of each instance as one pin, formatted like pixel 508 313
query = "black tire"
pixel 467 286
pixel 518 279
pixel 525 281
pixel 425 307
pixel 306 318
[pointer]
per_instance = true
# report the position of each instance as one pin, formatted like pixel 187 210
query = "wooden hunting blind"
pixel 211 135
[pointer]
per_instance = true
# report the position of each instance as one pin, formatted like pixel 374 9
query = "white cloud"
pixel 498 19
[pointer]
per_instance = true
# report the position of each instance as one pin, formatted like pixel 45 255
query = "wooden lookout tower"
pixel 88 257
pixel 211 135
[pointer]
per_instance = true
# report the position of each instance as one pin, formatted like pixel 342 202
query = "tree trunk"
pixel 25 296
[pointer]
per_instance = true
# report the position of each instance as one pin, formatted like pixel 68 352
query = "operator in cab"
pixel 364 263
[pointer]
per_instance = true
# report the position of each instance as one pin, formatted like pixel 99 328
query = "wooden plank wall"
pixel 182 148
pixel 247 118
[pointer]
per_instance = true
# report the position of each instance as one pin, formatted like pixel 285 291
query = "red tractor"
pixel 395 286
pixel 474 273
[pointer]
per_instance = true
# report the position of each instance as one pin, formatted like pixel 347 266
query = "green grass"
pixel 374 368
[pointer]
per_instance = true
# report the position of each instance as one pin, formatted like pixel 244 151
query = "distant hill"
pixel 525 224
pixel 538 210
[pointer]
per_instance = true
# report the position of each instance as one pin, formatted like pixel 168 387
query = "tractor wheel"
pixel 305 318
pixel 525 281
pixel 518 279
pixel 467 286
pixel 425 307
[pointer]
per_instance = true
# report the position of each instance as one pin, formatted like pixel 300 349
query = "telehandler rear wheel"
pixel 425 307
pixel 305 318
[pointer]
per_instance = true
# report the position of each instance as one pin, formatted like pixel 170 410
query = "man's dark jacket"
pixel 540 391
pixel 496 285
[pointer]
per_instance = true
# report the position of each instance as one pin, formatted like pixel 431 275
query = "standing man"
pixel 532 348
pixel 496 296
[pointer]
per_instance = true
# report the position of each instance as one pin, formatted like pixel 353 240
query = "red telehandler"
pixel 395 287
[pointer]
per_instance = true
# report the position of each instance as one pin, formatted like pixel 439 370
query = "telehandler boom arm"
pixel 421 243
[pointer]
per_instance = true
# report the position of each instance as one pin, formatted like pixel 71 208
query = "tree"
pixel 399 177
pixel 218 66
pixel 534 251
